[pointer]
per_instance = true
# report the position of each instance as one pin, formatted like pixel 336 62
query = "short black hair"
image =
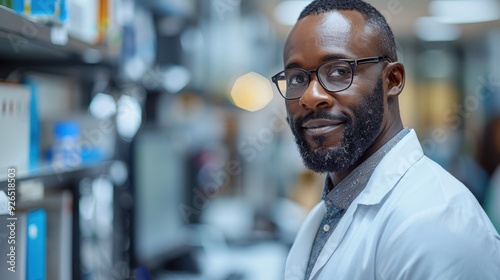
pixel 372 16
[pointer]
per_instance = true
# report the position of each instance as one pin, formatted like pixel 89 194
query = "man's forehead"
pixel 345 29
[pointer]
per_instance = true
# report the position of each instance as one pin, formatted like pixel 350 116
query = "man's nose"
pixel 315 97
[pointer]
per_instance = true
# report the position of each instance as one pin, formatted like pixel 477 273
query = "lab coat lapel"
pixel 334 241
pixel 298 257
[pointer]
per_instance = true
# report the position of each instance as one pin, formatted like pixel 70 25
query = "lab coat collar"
pixel 391 169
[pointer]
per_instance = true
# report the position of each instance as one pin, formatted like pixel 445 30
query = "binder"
pixel 36 227
pixel 58 208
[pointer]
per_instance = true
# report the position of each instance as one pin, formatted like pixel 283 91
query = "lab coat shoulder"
pixel 435 229
pixel 439 243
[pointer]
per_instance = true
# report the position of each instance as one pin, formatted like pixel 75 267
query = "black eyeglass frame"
pixel 352 64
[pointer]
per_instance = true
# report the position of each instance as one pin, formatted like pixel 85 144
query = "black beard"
pixel 357 137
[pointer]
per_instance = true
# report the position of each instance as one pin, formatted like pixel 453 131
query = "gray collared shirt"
pixel 338 199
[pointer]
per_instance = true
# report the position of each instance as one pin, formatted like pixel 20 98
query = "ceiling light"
pixel 287 12
pixel 465 11
pixel 251 92
pixel 430 29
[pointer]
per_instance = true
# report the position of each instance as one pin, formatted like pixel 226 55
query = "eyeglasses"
pixel 334 76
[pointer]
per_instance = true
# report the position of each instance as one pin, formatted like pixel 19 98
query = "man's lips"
pixel 318 127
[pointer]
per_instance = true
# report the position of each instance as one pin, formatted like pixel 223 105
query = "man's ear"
pixel 395 78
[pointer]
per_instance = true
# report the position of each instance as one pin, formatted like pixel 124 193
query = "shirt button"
pixel 326 228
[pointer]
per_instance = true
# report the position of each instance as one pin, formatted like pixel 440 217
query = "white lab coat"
pixel 412 221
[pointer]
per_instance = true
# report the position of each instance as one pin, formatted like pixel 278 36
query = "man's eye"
pixel 296 80
pixel 338 71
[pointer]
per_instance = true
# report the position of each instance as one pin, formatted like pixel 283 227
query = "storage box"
pixel 15 127
pixel 42 10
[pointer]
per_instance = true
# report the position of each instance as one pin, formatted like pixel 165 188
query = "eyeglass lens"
pixel 334 76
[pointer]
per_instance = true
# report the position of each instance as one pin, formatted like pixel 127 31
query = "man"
pixel 388 211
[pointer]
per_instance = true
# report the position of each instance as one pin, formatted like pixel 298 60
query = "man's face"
pixel 334 129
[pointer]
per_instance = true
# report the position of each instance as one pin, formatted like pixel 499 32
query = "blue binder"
pixel 36 226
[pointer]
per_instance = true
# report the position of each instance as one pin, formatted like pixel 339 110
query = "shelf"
pixel 23 39
pixel 53 178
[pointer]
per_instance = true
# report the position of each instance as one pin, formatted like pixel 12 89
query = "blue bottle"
pixel 66 148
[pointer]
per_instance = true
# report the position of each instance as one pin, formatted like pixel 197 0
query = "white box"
pixel 83 19
pixel 14 127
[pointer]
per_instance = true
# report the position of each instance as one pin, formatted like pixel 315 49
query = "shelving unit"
pixel 25 40
pixel 70 180
pixel 52 178
pixel 30 47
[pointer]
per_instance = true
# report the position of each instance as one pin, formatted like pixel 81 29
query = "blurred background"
pixel 151 139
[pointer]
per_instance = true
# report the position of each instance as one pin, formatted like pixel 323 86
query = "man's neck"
pixel 384 136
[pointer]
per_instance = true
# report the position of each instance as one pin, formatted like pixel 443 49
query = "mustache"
pixel 298 122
